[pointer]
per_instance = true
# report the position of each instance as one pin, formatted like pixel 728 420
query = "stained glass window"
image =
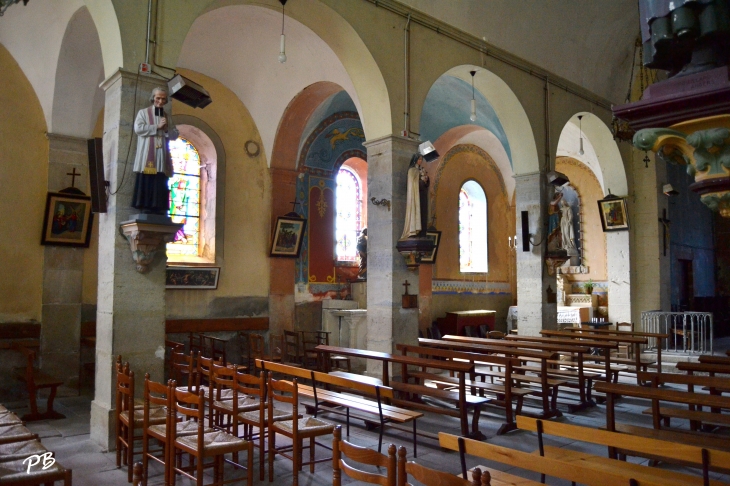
pixel 472 228
pixel 347 223
pixel 185 198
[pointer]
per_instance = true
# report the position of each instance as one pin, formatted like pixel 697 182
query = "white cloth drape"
pixel 413 205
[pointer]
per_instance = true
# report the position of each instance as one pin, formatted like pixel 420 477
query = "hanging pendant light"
pixel 282 43
pixel 580 128
pixel 473 116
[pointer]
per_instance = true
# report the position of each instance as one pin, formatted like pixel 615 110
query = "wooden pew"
pixel 710 368
pixel 548 388
pixel 464 401
pixel 660 337
pixel 505 393
pixel 583 379
pixel 710 359
pixel 325 400
pixel 36 379
pixel 696 417
pixel 584 471
pixel 631 445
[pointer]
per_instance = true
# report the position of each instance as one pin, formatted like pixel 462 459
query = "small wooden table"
pixel 455 322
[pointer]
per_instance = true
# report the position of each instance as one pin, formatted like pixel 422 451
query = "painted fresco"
pixel 336 139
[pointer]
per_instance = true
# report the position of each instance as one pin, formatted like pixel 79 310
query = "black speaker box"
pixel 96 175
pixel 189 92
pixel 525 231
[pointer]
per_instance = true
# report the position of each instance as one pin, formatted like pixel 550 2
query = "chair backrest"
pixel 248 384
pixel 125 389
pixel 159 395
pixel 203 370
pixel 188 406
pixel 277 392
pixel 625 326
pixel 221 378
pixel 256 346
pixel 195 342
pixel 495 335
pixel 182 367
pixel 276 346
pixel 363 455
pixel 291 347
pixel 215 347
pixel 426 475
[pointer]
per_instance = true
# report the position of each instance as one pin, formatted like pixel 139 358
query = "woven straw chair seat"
pixel 14 433
pixel 245 404
pixel 13 471
pixel 306 425
pixel 217 442
pixel 188 427
pixel 9 419
pixel 20 450
pixel 157 416
pixel 3 409
pixel 254 416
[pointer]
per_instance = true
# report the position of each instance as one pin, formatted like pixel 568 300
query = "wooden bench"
pixel 581 471
pixel 575 379
pixel 411 395
pixel 710 359
pixel 504 393
pixel 326 400
pixel 660 337
pixel 36 379
pixel 629 445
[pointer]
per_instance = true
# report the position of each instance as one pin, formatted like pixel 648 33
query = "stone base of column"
pixel 103 426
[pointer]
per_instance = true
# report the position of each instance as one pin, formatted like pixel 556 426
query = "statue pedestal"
pixel 359 292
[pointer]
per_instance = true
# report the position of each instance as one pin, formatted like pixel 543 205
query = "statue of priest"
pixel 152 164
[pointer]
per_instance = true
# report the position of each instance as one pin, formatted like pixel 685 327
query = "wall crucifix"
pixel 73 175
pixel 665 227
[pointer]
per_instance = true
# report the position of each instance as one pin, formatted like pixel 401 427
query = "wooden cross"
pixel 73 175
pixel 406 285
pixel 665 223
pixel 294 206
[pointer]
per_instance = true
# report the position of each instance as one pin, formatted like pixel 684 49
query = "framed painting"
pixel 288 236
pixel 614 215
pixel 68 220
pixel 192 278
pixel 434 236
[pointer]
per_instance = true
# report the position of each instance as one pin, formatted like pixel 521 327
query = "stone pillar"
pixel 63 269
pixel 533 280
pixel 282 278
pixel 388 322
pixel 130 319
pixel 651 277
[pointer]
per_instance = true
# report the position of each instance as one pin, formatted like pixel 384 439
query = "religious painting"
pixel 192 278
pixel 614 215
pixel 288 236
pixel 435 237
pixel 68 220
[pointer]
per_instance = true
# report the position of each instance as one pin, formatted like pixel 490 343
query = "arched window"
pixel 472 228
pixel 348 220
pixel 185 198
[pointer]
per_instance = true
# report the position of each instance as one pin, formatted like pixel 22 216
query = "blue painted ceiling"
pixel 337 102
pixel 448 105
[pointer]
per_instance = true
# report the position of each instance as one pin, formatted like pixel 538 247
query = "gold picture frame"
pixel 614 213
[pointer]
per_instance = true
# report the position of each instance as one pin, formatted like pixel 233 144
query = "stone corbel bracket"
pixel 146 238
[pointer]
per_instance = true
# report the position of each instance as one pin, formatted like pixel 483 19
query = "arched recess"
pixel 34 36
pixel 602 155
pixel 321 46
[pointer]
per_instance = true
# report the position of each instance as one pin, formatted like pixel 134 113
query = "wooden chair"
pixel 362 455
pixel 495 335
pixel 312 339
pixel 244 349
pixel 137 472
pixel 276 347
pixel 223 385
pixel 250 385
pixel 257 347
pixel 434 477
pixel 214 348
pixel 291 348
pixel 296 429
pixel 129 418
pixel 172 347
pixel 195 343
pixel 624 349
pixel 203 445
pixel 182 368
pixel 34 380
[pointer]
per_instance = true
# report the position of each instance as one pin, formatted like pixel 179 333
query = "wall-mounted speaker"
pixel 525 231
pixel 96 175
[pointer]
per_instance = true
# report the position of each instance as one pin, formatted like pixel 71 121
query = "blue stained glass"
pixel 347 223
pixel 185 198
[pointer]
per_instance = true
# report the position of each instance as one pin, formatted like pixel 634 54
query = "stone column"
pixel 63 268
pixel 130 319
pixel 533 280
pixel 282 278
pixel 651 276
pixel 388 322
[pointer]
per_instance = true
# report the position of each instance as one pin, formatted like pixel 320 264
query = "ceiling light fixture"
pixel 473 116
pixel 4 4
pixel 580 128
pixel 282 43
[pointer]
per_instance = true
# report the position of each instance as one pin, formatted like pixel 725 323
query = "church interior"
pixel 438 208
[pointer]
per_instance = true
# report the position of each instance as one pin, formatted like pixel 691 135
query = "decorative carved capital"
pixel 146 238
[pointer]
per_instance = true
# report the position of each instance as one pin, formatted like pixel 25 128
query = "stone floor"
pixel 92 466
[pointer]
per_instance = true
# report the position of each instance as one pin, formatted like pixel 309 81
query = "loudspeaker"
pixel 525 231
pixel 96 175
pixel 189 92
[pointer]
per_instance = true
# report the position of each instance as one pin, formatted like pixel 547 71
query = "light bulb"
pixel 473 116
pixel 580 152
pixel 282 49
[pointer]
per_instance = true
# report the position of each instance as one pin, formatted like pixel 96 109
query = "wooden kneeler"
pixel 34 380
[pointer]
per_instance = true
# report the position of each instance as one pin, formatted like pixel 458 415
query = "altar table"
pixel 455 322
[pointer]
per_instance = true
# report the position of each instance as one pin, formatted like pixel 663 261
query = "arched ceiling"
pixel 590 43
pixel 239 46
pixel 569 146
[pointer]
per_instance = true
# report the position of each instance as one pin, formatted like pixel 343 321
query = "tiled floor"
pixel 69 439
